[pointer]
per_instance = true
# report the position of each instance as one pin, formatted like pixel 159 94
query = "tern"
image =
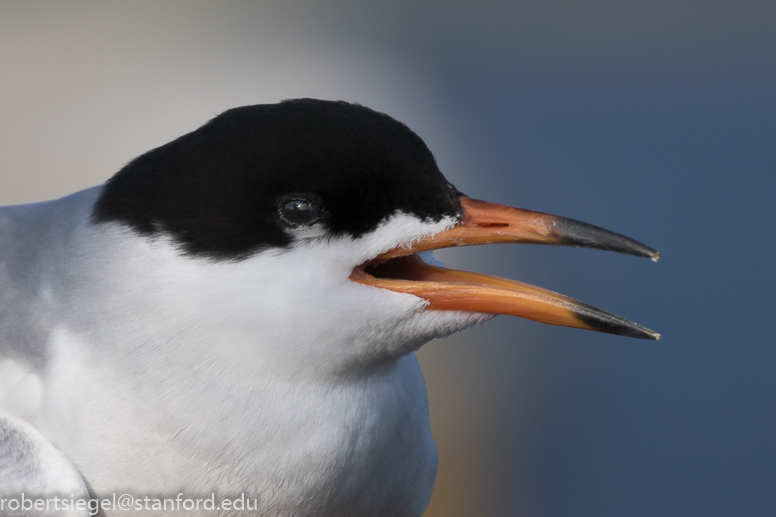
pixel 237 311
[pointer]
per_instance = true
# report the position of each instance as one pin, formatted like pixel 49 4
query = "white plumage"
pixel 275 376
pixel 236 313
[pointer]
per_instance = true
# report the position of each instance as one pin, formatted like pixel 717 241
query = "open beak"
pixel 402 270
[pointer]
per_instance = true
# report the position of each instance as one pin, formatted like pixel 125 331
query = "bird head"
pixel 317 214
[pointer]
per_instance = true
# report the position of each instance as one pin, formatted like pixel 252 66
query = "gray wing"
pixel 30 464
pixel 35 241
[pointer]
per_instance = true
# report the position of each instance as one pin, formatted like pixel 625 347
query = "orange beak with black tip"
pixel 401 270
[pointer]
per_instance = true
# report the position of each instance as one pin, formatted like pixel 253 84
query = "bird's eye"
pixel 299 212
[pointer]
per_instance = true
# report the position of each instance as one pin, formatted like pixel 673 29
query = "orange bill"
pixel 401 270
pixel 491 223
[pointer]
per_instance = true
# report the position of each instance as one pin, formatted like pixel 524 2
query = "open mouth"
pixel 402 270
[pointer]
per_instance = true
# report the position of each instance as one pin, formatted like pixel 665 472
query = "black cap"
pixel 219 191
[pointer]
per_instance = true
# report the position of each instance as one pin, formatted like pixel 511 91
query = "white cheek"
pixel 281 309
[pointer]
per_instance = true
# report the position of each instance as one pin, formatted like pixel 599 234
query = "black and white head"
pixel 304 221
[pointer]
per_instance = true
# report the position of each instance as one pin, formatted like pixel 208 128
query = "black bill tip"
pixel 602 321
pixel 576 233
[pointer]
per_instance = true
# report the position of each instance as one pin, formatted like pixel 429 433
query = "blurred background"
pixel 654 119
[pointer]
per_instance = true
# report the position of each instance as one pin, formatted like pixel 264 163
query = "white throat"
pixel 278 354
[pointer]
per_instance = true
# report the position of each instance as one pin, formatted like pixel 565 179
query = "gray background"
pixel 656 119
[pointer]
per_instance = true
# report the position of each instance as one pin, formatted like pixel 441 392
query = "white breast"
pixel 274 376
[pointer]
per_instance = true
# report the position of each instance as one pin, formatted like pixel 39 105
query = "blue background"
pixel 654 119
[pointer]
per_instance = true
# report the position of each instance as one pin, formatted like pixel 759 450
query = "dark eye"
pixel 299 212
